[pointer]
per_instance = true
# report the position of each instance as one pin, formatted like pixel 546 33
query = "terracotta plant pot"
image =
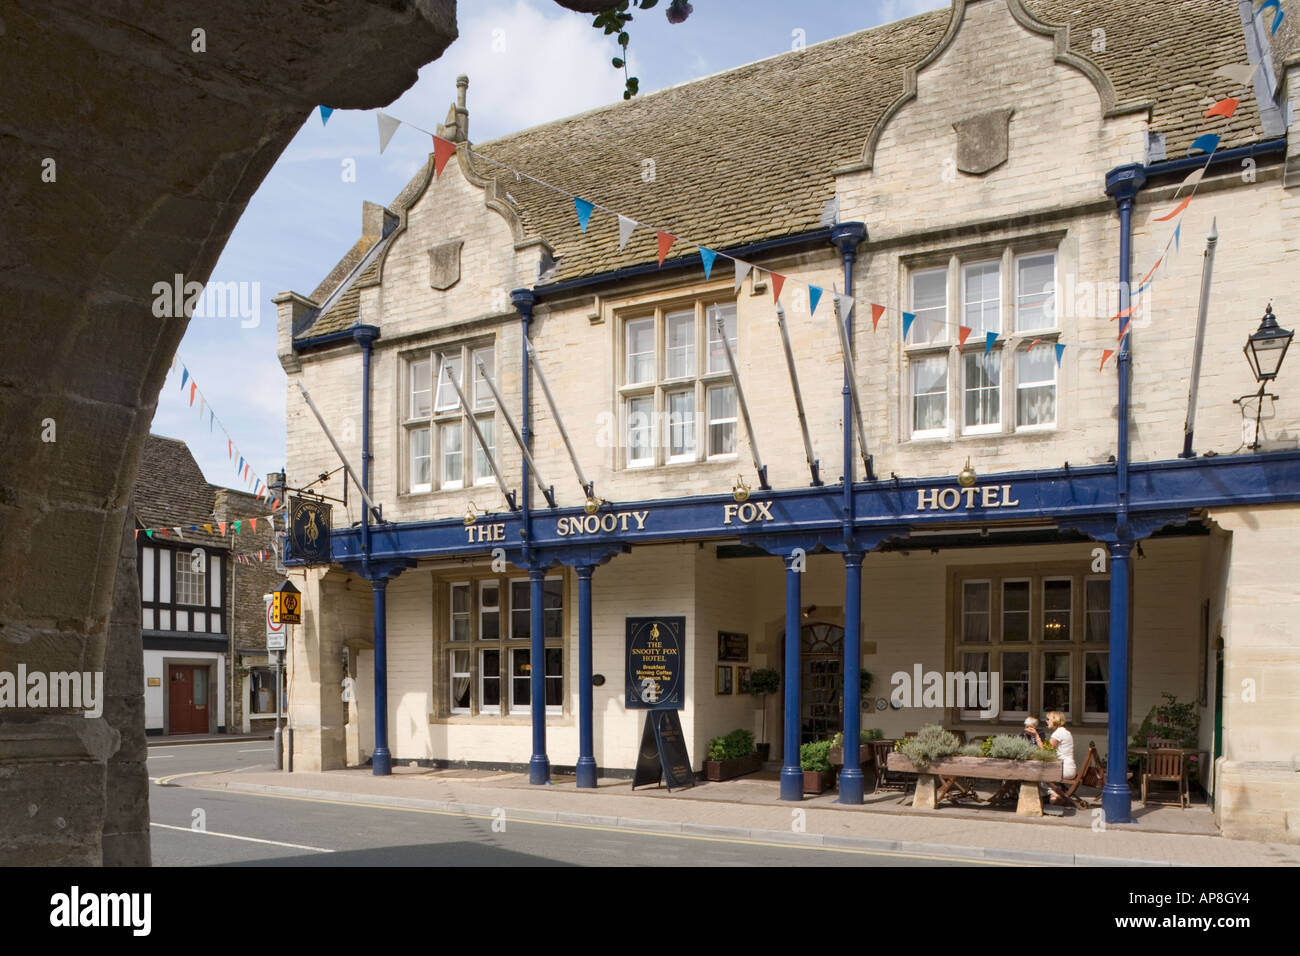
pixel 818 781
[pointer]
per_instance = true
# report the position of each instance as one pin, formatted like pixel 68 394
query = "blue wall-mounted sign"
pixel 656 663
pixel 309 530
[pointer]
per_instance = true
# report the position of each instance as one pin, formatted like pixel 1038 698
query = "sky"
pixel 528 62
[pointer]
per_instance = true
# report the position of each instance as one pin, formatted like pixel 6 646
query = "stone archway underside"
pixel 157 149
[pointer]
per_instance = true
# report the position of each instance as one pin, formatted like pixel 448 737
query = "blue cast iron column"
pixel 381 760
pixel 791 773
pixel 1122 184
pixel 586 743
pixel 539 767
pixel 1116 799
pixel 852 783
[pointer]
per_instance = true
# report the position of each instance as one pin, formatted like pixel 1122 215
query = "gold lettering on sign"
pixel 748 512
pixel 480 533
pixel 949 499
pixel 600 524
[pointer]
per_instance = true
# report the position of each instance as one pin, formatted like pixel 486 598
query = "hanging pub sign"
pixel 309 530
pixel 663 753
pixel 655 663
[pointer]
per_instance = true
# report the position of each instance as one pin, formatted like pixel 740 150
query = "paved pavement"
pixel 714 811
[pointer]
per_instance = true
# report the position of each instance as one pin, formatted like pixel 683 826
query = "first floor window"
pixel 983 398
pixel 930 306
pixel 421 460
pixel 442 449
pixel 929 395
pixel 489 682
pixel 450 454
pixel 482 465
pixel 722 420
pixel 681 425
pixel 640 422
pixel 1036 387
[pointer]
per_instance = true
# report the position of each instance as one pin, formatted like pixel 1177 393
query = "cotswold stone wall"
pixel 121 179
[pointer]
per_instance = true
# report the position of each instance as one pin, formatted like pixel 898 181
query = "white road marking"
pixel 160 756
pixel 234 836
pixel 258 750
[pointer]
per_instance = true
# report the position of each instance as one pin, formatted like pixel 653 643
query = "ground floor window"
pixel 487 650
pixel 261 692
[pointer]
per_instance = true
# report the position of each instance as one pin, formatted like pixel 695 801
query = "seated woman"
pixel 1031 731
pixel 1062 741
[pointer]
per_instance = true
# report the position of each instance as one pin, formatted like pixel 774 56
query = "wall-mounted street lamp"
pixel 967 477
pixel 471 515
pixel 1265 349
pixel 740 492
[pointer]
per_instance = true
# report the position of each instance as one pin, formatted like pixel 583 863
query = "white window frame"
pixel 929 329
pixel 994 358
pixel 482 609
pixel 1027 612
pixel 521 709
pixel 710 421
pixel 468 650
pixel 973 713
pixel 1087 612
pixel 1028 653
pixel 988 613
pixel 1098 716
pixel 704 373
pixel 914 361
pixel 483 410
pixel 1066 650
pixel 1056 391
pixel 482 676
pixel 1019 294
pixel 966 269
pixel 451 613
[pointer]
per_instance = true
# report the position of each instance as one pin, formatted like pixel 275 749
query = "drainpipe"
pixel 524 300
pixel 365 336
pixel 1123 185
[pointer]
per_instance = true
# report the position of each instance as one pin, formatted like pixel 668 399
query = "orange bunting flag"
pixel 193 387
pixel 876 312
pixel 1122 313
pixel 1105 355
pixel 1124 331
pixel 1032 344
pixel 778 280
pixel 1181 206
pixel 963 334
pixel 1224 108
pixel 222 525
pixel 665 243
pixel 253 522
pixel 230 449
pixel 442 150
pixel 1151 273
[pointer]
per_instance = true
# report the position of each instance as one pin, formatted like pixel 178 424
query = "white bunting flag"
pixel 1239 73
pixel 1192 180
pixel 626 227
pixel 742 270
pixel 387 127
pixel 843 306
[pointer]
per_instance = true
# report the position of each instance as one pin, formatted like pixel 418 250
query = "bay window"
pixel 438 429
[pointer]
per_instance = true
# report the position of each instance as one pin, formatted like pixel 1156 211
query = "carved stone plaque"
pixel 982 141
pixel 444 264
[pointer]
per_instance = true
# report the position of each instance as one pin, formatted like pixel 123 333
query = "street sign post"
pixel 286 604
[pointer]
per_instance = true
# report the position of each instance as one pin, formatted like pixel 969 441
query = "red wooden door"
pixel 187 699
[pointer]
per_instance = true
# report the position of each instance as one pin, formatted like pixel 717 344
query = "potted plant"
pixel 762 682
pixel 731 756
pixel 1168 721
pixel 814 760
pixel 865 737
pixel 935 753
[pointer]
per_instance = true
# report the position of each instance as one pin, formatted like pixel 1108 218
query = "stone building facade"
pixel 964 167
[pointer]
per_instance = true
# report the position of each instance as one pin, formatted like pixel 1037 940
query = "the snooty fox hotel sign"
pixel 987 497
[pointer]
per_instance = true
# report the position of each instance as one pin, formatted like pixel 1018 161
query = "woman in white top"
pixel 1062 741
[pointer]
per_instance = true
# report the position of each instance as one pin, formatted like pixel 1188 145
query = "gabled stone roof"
pixel 749 154
pixel 170 491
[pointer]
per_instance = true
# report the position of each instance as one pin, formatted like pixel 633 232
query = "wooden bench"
pixel 1030 773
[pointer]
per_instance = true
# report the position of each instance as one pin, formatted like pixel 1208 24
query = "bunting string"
pixel 243 468
pixel 219 528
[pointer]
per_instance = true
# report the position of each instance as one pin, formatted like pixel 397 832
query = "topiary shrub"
pixel 815 756
pixel 1008 747
pixel 717 749
pixel 931 742
pixel 739 743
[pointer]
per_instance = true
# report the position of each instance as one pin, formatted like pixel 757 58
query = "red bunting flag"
pixel 1181 206
pixel 253 522
pixel 1105 355
pixel 164 532
pixel 665 243
pixel 876 312
pixel 1224 108
pixel 442 150
pixel 230 449
pixel 778 280
pixel 221 525
pixel 1124 331
pixel 193 388
pixel 1151 273
pixel 1032 344
pixel 1122 314
pixel 963 334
